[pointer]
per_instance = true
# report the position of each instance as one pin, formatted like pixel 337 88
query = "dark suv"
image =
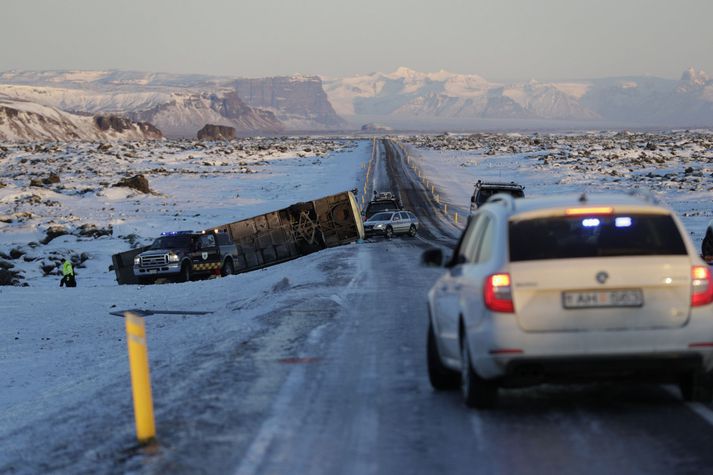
pixel 384 201
pixel 486 189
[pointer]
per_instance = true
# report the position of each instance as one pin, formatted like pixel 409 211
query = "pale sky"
pixel 498 39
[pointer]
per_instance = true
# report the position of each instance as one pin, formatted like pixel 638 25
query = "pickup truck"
pixel 185 255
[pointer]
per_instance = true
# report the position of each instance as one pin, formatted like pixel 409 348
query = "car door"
pixel 405 222
pixel 396 223
pixel 206 252
pixel 448 291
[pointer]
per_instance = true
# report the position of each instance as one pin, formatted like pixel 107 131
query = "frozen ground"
pixel 194 186
pixel 676 167
pixel 63 356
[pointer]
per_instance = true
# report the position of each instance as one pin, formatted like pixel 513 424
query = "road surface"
pixel 335 383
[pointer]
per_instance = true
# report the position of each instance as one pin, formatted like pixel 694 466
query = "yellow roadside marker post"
pixel 140 378
pixel 455 217
pixel 445 208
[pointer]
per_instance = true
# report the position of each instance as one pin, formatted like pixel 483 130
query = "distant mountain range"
pixel 181 104
pixel 640 100
pixel 178 104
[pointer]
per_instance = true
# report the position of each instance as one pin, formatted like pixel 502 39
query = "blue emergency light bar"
pixel 174 233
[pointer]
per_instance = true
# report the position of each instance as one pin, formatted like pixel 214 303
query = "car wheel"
pixel 228 268
pixel 441 378
pixel 477 392
pixel 412 231
pixel 389 232
pixel 185 273
pixel 696 387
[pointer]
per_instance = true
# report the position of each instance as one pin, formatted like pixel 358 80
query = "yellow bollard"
pixel 140 377
pixel 433 188
pixel 445 208
pixel 438 199
pixel 455 217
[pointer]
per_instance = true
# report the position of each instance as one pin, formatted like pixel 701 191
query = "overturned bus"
pixel 278 236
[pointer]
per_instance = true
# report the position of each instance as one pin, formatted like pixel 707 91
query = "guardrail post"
pixel 140 378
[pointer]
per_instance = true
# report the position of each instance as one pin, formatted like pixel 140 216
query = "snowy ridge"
pixel 23 121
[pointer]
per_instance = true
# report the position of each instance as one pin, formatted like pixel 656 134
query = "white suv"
pixel 570 288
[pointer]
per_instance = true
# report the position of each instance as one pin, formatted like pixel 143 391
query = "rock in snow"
pixel 216 132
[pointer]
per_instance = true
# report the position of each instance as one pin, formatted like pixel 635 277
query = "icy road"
pixel 330 377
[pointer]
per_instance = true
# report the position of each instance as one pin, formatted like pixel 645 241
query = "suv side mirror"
pixel 432 257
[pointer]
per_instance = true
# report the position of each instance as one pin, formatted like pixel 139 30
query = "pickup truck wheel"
pixel 185 273
pixel 228 268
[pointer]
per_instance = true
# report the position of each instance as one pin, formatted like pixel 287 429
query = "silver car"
pixel 388 223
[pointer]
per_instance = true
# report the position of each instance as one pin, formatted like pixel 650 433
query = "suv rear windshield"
pixel 375 207
pixel 485 193
pixel 566 237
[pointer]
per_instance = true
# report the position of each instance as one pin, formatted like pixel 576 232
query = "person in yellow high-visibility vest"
pixel 68 278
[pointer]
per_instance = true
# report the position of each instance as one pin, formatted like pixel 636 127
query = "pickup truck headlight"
pixel 137 260
pixel 173 257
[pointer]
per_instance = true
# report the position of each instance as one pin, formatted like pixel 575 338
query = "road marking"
pixel 702 410
pixel 705 412
pixel 281 423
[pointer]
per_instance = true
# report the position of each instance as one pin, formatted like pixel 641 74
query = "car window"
pixel 567 237
pixel 404 215
pixel 487 242
pixel 207 240
pixel 396 217
pixel 381 217
pixel 457 256
pixel 413 216
pixel 470 248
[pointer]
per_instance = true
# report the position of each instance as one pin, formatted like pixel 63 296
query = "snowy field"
pixel 193 186
pixel 675 167
pixel 63 356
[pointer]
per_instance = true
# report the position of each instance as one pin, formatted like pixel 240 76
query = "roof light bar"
pixel 589 211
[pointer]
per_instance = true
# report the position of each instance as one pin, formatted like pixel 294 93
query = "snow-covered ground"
pixel 63 356
pixel 194 186
pixel 676 167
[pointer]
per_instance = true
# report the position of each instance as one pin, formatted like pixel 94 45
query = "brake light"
pixel 497 293
pixel 589 211
pixel 701 286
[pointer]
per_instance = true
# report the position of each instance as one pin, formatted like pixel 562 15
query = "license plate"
pixel 153 271
pixel 603 298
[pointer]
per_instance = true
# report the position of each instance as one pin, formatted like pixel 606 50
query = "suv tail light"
pixel 497 293
pixel 701 286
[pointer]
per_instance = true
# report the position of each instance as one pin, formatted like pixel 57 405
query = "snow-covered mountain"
pixel 181 104
pixel 22 121
pixel 636 100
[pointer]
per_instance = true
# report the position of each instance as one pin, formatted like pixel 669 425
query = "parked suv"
pixel 569 288
pixel 384 201
pixel 486 189
pixel 389 223
pixel 183 255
